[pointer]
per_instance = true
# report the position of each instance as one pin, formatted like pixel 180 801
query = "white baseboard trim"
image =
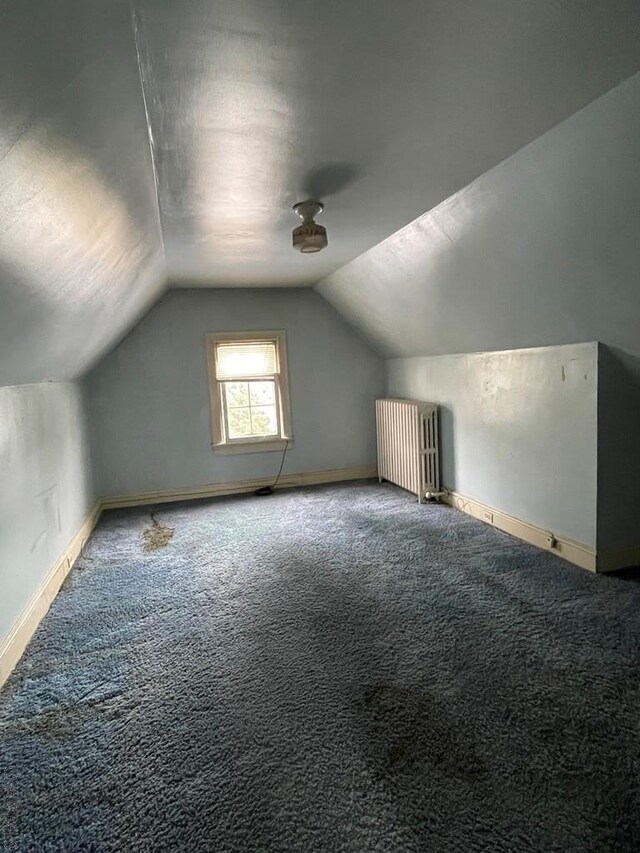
pixel 13 646
pixel 287 481
pixel 618 558
pixel 575 552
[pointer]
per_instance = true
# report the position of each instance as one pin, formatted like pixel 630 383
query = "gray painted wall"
pixel 46 491
pixel 518 430
pixel 541 250
pixel 80 246
pixel 618 449
pixel 150 402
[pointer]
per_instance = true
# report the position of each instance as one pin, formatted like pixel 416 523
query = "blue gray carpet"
pixel 329 669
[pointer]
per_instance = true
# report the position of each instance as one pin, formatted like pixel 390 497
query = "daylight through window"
pixel 251 401
pixel 249 372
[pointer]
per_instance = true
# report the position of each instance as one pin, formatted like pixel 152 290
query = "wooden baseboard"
pixel 287 481
pixel 13 646
pixel 575 552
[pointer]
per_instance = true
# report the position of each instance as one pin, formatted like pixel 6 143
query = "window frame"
pixel 248 444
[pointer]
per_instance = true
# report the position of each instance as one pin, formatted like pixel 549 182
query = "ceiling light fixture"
pixel 309 237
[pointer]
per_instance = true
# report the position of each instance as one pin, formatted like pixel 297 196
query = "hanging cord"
pixel 267 490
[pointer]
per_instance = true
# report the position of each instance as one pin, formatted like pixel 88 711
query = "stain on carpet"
pixel 157 535
pixel 335 669
pixel 410 730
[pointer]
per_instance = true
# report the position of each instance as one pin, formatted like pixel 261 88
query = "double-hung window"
pixel 249 391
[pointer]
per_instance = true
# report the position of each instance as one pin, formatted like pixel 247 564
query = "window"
pixel 249 391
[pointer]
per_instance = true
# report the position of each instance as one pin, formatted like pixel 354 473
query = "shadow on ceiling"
pixel 328 180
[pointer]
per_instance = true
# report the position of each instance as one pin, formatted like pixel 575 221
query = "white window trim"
pixel 252 444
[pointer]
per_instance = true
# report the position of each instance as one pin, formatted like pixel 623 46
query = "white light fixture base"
pixel 309 237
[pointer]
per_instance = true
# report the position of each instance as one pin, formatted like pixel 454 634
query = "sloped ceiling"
pixel 80 245
pixel 382 109
pixel 541 250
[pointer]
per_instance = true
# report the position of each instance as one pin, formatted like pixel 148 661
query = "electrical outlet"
pixel 487 516
pixel 551 541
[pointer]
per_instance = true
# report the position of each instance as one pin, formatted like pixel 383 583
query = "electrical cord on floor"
pixel 268 490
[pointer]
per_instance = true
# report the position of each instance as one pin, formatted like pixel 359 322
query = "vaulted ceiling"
pixel 165 142
pixel 80 245
pixel 543 249
pixel 381 109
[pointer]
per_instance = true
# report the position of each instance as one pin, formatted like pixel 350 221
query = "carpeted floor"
pixel 328 669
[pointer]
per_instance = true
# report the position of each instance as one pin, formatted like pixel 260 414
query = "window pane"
pixel 262 393
pixel 264 421
pixel 237 394
pixel 239 422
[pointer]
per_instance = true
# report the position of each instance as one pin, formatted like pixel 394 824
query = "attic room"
pixel 319 416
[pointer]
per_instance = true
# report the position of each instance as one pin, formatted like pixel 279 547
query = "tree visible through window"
pixel 251 408
pixel 252 401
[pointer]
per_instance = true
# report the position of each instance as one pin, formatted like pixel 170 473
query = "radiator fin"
pixel 407 435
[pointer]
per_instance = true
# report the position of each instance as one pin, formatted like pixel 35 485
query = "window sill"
pixel 238 447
